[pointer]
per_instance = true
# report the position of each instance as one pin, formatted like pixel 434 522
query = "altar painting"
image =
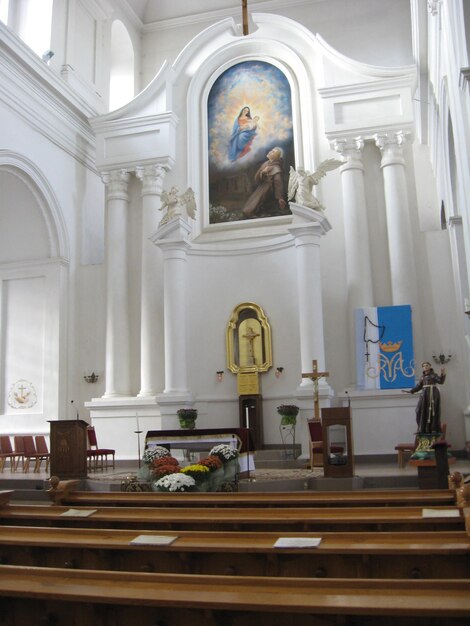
pixel 384 347
pixel 250 143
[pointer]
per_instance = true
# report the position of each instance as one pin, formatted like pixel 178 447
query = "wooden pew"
pixel 64 493
pixel 341 555
pixel 32 596
pixel 228 518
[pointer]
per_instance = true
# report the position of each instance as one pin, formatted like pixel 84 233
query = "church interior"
pixel 313 153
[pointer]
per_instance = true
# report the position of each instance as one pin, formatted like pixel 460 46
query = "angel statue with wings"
pixel 174 202
pixel 302 181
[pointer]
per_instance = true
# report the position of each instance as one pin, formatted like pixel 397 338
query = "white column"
pixel 356 237
pixel 307 248
pixel 117 304
pixel 400 243
pixel 358 258
pixel 151 326
pixel 172 239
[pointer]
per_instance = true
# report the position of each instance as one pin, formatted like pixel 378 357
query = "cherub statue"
pixel 302 181
pixel 174 202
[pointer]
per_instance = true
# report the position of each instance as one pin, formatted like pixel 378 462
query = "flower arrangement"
pixel 199 472
pixel 187 417
pixel 224 452
pixel 164 466
pixel 288 409
pixel 288 413
pixel 176 482
pixel 157 452
pixel 212 462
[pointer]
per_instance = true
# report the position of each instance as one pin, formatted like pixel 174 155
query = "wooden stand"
pixel 252 404
pixel 68 448
pixel 338 466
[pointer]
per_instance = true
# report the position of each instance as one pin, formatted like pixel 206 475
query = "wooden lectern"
pixel 337 465
pixel 68 448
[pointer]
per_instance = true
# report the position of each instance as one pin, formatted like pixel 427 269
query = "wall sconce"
pixel 441 359
pixel 279 371
pixel 220 375
pixel 91 378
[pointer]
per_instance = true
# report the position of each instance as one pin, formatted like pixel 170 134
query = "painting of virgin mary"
pixel 250 143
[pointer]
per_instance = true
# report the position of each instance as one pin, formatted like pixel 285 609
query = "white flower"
pixel 157 452
pixel 176 482
pixel 224 452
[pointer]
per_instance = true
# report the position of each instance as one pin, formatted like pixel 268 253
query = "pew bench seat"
pixel 229 518
pixel 342 555
pixel 415 497
pixel 79 597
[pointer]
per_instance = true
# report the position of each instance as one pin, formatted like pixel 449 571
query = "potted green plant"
pixel 187 417
pixel 288 413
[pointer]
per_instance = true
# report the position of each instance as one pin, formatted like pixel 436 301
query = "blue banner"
pixel 384 347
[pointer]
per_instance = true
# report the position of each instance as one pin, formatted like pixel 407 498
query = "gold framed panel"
pixel 248 340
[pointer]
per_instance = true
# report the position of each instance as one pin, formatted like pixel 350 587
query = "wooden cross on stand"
pixel 315 375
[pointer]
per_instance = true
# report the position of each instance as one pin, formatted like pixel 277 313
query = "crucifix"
pixel 315 375
pixel 245 16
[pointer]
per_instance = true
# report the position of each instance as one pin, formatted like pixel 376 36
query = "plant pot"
pixel 187 422
pixel 231 471
pixel 217 478
pixel 288 420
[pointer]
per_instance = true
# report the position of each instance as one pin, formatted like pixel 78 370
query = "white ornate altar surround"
pixel 331 98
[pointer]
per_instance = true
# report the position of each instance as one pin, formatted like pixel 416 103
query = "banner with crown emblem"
pixel 384 347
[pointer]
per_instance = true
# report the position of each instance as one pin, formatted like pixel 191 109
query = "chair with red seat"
pixel 32 454
pixel 316 444
pixel 43 451
pixel 19 450
pixel 7 452
pixel 96 455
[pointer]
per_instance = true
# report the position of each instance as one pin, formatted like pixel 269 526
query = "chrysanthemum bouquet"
pixel 224 452
pixel 157 452
pixel 176 482
pixel 199 472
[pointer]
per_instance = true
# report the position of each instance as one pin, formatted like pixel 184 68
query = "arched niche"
pixel 121 78
pixel 248 338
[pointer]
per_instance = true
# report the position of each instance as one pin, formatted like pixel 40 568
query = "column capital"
pixel 391 146
pixel 152 177
pixel 116 183
pixel 434 6
pixel 351 149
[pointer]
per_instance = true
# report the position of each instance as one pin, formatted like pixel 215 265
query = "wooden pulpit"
pixel 337 465
pixel 68 448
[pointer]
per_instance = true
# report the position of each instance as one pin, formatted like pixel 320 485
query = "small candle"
pixel 137 419
pixel 247 417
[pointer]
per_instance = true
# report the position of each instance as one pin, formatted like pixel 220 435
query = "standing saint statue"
pixel 428 409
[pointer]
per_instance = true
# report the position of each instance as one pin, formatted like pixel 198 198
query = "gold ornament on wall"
pixel 248 340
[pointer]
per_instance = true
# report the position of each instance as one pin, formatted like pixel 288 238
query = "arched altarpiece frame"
pixel 263 45
pixel 248 339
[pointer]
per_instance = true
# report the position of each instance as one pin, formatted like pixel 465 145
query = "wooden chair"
pixel 19 450
pixel 408 448
pixel 316 444
pixel 32 454
pixel 7 452
pixel 43 450
pixel 96 455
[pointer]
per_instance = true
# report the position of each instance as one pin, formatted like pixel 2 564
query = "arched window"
pixel 121 80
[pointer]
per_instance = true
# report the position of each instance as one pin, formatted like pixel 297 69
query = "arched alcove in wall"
pixel 33 286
